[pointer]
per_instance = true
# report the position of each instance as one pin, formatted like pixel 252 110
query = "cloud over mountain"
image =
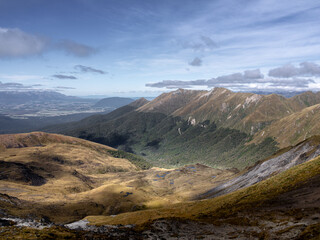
pixel 14 86
pixel 284 78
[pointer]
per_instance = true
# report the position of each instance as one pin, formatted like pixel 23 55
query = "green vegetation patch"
pixel 135 159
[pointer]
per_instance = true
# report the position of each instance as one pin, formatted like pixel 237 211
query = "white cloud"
pixel 289 70
pixel 249 80
pixel 16 43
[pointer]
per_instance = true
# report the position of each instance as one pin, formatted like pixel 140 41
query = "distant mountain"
pixel 95 119
pixel 246 112
pixel 9 125
pixel 287 94
pixel 211 127
pixel 113 102
pixel 17 97
pixel 12 125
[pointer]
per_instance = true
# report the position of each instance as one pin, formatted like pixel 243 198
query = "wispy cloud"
pixel 21 77
pixel 202 43
pixel 13 86
pixel 61 88
pixel 16 43
pixel 86 69
pixel 196 62
pixel 61 76
pixel 76 49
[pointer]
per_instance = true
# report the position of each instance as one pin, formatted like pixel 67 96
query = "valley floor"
pixel 57 187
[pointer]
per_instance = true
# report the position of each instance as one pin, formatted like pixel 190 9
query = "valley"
pixel 164 169
pixel 218 128
pixel 159 120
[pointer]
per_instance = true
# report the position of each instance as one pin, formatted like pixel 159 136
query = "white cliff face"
pixel 207 94
pixel 224 107
pixel 192 121
pixel 253 99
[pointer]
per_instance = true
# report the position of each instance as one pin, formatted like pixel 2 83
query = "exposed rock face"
pixel 297 155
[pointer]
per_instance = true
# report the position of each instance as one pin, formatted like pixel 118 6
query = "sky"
pixel 145 47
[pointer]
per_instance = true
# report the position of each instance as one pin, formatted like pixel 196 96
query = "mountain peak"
pixel 169 102
pixel 139 102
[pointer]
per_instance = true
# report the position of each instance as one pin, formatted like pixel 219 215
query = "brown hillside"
pixel 167 103
pixel 66 179
pixel 247 112
pixel 294 128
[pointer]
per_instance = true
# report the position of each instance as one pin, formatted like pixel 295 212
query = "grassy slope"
pixel 203 143
pixel 156 136
pixel 223 206
pixel 66 179
pixel 293 128
pixel 40 139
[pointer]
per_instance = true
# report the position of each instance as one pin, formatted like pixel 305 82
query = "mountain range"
pixel 219 128
pixel 186 165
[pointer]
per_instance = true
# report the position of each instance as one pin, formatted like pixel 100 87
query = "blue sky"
pixel 142 48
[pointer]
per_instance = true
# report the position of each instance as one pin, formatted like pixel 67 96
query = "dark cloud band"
pixel 86 69
pixel 253 79
pixel 60 76
pixel 289 70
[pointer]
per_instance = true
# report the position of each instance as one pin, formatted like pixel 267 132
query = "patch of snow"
pixel 179 131
pixel 229 117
